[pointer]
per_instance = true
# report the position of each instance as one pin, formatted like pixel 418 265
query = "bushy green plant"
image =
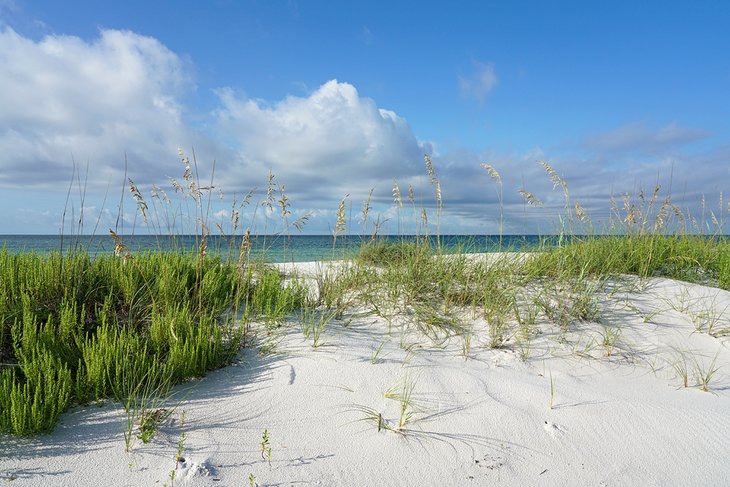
pixel 32 401
pixel 92 325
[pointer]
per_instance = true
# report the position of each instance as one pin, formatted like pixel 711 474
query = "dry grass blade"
pixel 301 221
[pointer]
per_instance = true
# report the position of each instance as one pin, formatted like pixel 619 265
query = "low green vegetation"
pixel 76 329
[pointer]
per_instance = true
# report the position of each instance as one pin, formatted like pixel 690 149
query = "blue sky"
pixel 336 98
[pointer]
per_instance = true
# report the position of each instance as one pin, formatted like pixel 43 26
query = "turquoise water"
pixel 297 248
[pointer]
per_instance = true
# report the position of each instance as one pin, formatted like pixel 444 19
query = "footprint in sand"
pixel 554 430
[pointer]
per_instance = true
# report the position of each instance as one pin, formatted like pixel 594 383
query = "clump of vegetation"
pixel 82 329
pixel 76 328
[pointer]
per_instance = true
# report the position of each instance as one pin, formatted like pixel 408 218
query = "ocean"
pixel 272 248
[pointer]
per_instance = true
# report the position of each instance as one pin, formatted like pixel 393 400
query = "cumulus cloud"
pixel 64 97
pixel 480 83
pixel 126 93
pixel 122 93
pixel 324 145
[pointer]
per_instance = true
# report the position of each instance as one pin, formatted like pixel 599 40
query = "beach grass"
pixel 76 329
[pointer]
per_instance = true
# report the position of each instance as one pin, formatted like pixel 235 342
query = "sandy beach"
pixel 364 244
pixel 378 404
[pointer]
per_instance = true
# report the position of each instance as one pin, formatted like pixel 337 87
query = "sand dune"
pixel 378 405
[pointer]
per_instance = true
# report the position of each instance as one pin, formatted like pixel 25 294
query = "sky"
pixel 338 98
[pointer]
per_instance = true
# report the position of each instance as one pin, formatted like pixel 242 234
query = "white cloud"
pixel 125 93
pixel 481 82
pixel 67 98
pixel 332 142
pixel 63 97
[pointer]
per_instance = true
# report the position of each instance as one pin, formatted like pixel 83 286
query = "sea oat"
pixel 245 249
pixel 530 198
pixel 246 199
pixel 396 195
pixel 177 186
pixel 557 181
pixel 554 176
pixel 366 208
pixel 141 204
pixel 662 215
pixel 162 192
pixel 340 224
pixel 269 201
pixel 580 212
pixel 429 168
pixel 630 219
pixel 120 249
pixel 301 221
pixel 492 173
pixel 284 203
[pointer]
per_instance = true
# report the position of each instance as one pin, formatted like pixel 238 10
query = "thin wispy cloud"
pixel 367 35
pixel 480 82
pixel 637 137
pixel 9 6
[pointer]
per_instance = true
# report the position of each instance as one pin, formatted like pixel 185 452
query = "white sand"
pixel 485 420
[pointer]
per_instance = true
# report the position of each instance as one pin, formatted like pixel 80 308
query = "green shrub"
pixel 31 401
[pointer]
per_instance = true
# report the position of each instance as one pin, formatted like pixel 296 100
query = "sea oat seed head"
pixel 492 173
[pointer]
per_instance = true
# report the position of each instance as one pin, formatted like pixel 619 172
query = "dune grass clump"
pixel 380 252
pixel 418 283
pixel 271 299
pixel 692 258
pixel 77 330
